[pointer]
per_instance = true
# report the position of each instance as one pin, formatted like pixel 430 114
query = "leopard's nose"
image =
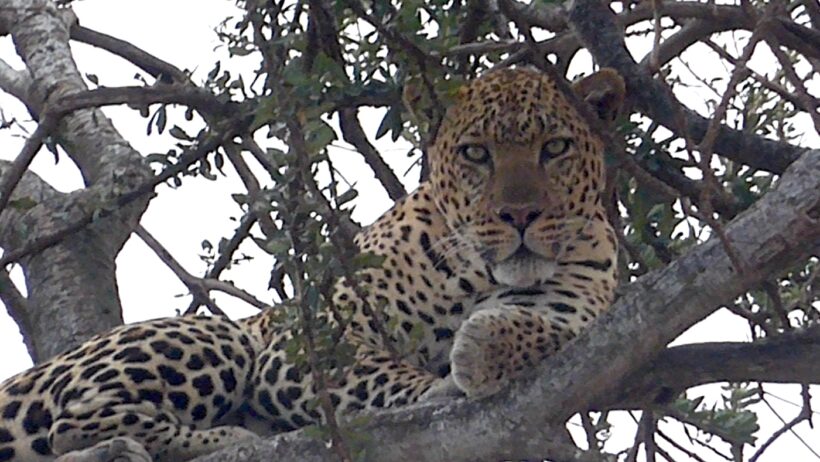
pixel 519 217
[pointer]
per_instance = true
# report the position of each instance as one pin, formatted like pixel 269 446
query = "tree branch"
pixel 195 97
pixel 194 284
pixel 781 359
pixel 777 231
pixel 157 68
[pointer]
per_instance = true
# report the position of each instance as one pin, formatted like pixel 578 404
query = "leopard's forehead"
pixel 511 106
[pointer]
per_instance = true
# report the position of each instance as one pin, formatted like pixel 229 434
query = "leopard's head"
pixel 517 167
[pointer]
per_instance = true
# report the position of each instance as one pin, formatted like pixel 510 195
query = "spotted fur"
pixel 495 262
pixel 169 380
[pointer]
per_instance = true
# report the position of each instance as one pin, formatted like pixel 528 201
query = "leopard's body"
pixel 501 257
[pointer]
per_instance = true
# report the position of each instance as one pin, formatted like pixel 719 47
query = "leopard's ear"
pixel 604 91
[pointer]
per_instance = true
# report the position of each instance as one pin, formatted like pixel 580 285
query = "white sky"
pixel 181 219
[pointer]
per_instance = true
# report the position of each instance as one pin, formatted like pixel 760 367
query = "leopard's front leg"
pixel 497 344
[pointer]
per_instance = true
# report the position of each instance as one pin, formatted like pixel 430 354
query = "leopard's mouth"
pixel 523 268
pixel 523 253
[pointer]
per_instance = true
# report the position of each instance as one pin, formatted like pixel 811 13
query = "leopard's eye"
pixel 475 153
pixel 554 148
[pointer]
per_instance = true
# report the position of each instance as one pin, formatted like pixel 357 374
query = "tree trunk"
pixel 72 288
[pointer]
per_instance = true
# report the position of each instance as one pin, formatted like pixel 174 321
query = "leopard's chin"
pixel 523 268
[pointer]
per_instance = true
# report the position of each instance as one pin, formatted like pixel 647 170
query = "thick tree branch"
pixel 195 97
pixel 41 37
pixel 64 280
pixel 779 230
pixel 786 358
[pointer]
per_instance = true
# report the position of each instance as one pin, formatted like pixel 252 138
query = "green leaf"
pixel 312 297
pixel 161 119
pixel 318 134
pixel 346 197
pixel 266 112
pixel 368 260
pixel 276 246
pixel 179 133
pixel 391 122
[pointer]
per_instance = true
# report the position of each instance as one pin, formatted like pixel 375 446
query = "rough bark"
pixel 72 290
pixel 778 231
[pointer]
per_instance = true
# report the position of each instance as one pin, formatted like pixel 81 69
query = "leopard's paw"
pixel 442 390
pixel 477 360
pixel 120 449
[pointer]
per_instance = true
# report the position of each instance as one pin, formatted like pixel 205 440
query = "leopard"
pixel 493 263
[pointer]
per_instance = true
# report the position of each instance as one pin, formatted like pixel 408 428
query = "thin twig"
pixel 669 411
pixel 481 48
pixel 654 59
pixel 199 287
pixel 766 83
pixel 423 60
pixel 197 291
pixel 804 415
pixel 632 453
pixel 229 288
pixel 806 100
pixel 306 180
pixel 759 319
pixel 691 454
pixel 706 144
pixel 350 228
pixel 226 254
pixel 589 430
pixel 773 292
pixel 648 424
pixel 255 193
